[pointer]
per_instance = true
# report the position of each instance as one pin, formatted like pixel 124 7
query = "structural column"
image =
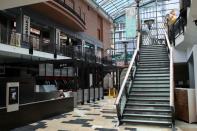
pixel 53 41
pixel 102 82
pixel 19 23
pixel 195 71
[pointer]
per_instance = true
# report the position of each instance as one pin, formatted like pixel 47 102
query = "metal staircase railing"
pixel 127 82
pixel 170 52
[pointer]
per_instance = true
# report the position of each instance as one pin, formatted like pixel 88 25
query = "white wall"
pixel 195 70
pixel 179 56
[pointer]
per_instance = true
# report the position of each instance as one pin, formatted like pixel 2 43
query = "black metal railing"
pixel 39 43
pixel 35 43
pixel 11 37
pixel 176 29
pixel 127 82
pixel 185 4
pixel 63 3
pixel 184 8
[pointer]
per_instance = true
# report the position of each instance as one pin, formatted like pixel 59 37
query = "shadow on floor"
pixel 83 122
pixel 33 127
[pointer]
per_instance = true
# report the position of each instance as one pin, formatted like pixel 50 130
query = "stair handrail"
pixel 171 70
pixel 170 50
pixel 128 70
pixel 123 93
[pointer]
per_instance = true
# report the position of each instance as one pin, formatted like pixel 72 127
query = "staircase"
pixel 148 99
pixel 146 95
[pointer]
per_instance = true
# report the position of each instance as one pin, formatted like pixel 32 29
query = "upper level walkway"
pixel 98 116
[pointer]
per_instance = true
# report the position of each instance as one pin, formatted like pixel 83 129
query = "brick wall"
pixel 94 22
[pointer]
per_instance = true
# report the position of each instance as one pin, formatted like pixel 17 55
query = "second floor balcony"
pixel 32 46
pixel 61 12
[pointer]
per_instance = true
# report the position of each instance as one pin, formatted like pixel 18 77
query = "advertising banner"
pixel 131 22
pixel 26 28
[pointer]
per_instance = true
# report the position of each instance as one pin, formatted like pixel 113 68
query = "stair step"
pixel 138 78
pixel 150 95
pixel 148 46
pixel 146 122
pixel 147 110
pixel 148 104
pixel 146 118
pixel 153 65
pixel 151 62
pixel 151 85
pixel 149 99
pixel 153 69
pixel 149 107
pixel 152 50
pixel 137 97
pixel 153 54
pixel 147 115
pixel 152 75
pixel 152 82
pixel 152 72
pixel 154 60
pixel 150 90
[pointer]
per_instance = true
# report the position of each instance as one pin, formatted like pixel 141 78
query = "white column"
pixel 195 71
pixel 191 73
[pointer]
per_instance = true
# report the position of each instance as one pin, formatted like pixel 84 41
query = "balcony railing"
pixel 177 29
pixel 63 3
pixel 183 11
pixel 34 43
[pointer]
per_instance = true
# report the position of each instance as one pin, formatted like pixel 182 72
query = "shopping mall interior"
pixel 98 65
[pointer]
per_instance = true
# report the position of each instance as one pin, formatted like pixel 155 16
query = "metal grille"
pixel 156 11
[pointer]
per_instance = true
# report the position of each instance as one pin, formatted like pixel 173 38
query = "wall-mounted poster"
pixel 12 96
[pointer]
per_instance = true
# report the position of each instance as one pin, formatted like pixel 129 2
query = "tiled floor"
pixel 99 116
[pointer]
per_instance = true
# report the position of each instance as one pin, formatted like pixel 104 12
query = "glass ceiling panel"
pixel 114 7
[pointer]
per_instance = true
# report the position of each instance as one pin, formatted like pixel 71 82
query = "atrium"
pixel 98 65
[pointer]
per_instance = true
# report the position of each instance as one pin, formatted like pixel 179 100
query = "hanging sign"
pixel 26 28
pixel 131 22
